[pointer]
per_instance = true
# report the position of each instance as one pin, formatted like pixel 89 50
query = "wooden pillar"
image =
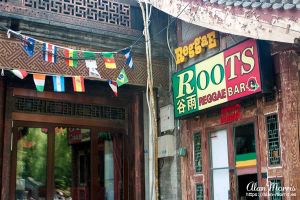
pixel 2 121
pixel 138 137
pixel 50 164
pixel 94 165
pixel 6 151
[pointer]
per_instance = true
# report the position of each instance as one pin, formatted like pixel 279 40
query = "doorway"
pixel 219 165
pixel 245 183
pixel 245 160
pixel 66 163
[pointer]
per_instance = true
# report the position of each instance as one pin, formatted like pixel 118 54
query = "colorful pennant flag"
pixel 78 83
pixel 113 85
pixel 88 55
pixel 19 73
pixel 58 83
pixel 49 52
pixel 93 72
pixel 91 64
pixel 128 55
pixel 122 78
pixel 29 46
pixel 71 57
pixel 109 60
pixel 39 81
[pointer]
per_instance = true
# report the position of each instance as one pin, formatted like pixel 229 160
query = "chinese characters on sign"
pixel 197 47
pixel 229 75
pixel 230 113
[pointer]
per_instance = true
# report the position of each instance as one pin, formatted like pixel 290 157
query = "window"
pixel 31 165
pixel 275 189
pixel 199 192
pixel 197 153
pixel 273 140
pixel 245 152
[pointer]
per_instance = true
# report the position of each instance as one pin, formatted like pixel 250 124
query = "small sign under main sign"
pixel 230 113
pixel 229 75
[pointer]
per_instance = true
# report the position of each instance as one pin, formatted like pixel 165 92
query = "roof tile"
pixel 288 6
pixel 257 4
pixel 238 3
pixel 277 6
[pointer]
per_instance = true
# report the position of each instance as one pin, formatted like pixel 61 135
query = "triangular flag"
pixel 29 46
pixel 39 81
pixel 109 60
pixel 58 83
pixel 93 72
pixel 113 85
pixel 91 63
pixel 122 78
pixel 71 57
pixel 128 55
pixel 78 83
pixel 19 73
pixel 49 52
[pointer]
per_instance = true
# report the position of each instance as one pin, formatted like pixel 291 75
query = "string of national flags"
pixel 59 81
pixel 71 57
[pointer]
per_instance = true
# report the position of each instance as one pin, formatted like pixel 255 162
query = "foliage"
pixel 32 160
pixel 63 158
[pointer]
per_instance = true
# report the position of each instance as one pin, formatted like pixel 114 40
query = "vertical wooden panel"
pixel 94 165
pixel 12 186
pixel 125 168
pixel 50 163
pixel 5 179
pixel 138 136
pixel 2 121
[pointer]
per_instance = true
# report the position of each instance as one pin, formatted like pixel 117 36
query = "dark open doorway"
pixel 245 185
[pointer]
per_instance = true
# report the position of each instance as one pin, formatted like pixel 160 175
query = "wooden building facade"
pixel 244 148
pixel 74 145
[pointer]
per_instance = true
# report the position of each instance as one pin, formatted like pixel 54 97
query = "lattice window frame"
pixel 107 11
pixel 199 191
pixel 273 140
pixel 275 195
pixel 197 147
pixel 64 108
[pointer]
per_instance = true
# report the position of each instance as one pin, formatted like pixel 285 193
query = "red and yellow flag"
pixel 109 60
pixel 78 83
pixel 71 57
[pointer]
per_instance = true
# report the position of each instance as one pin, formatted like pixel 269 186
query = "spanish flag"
pixel 78 83
pixel 109 60
pixel 71 57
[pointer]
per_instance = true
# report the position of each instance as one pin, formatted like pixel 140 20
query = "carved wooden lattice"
pixel 41 106
pixel 99 10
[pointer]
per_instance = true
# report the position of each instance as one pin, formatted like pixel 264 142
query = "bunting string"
pixel 71 56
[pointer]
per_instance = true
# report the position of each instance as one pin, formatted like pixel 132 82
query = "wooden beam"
pixel 116 125
pixel 74 98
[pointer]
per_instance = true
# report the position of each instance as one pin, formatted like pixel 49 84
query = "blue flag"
pixel 58 83
pixel 29 46
pixel 127 53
